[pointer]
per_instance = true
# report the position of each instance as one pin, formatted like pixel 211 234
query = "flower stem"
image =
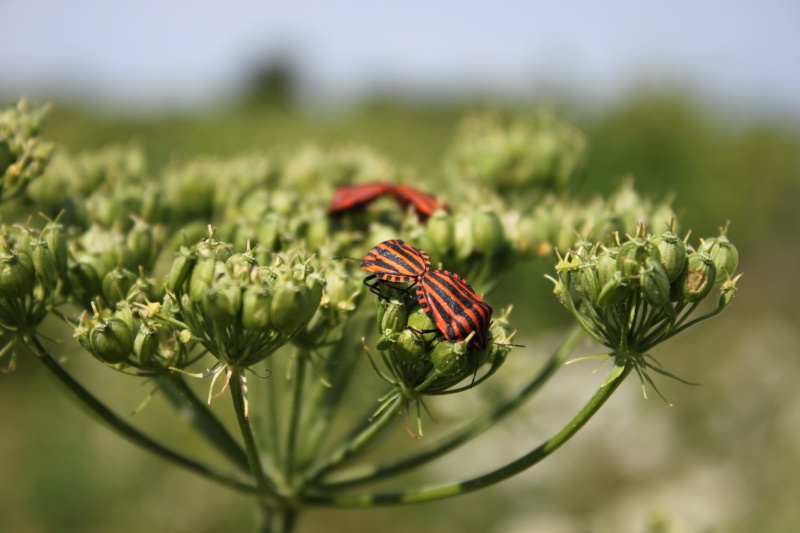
pixel 356 442
pixel 125 429
pixel 266 487
pixel 301 360
pixel 623 366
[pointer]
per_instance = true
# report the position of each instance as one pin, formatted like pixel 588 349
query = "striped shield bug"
pixel 394 261
pixel 455 308
pixel 358 196
pixel 424 204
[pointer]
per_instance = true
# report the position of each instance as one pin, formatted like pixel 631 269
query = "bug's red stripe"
pixel 454 307
pixel 396 261
pixel 424 204
pixel 354 196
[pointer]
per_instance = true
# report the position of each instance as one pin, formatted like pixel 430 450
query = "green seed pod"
pixel 180 269
pixel 53 234
pixel 588 282
pixel 633 256
pixel 386 341
pixel 111 340
pixel 43 263
pixel 223 301
pixel 289 308
pixel 81 334
pixel 697 279
pixel 315 284
pixel 201 278
pixel 655 283
pixel 124 313
pixel 117 284
pixel 613 292
pixel 410 347
pixel 462 237
pixel 440 231
pixel 140 243
pixel 488 234
pixel 239 265
pixel 672 252
pixel 85 282
pixel 724 254
pixel 607 265
pixel 255 308
pixel 418 320
pixel 145 345
pixel 16 274
pixel 392 316
pixel 449 358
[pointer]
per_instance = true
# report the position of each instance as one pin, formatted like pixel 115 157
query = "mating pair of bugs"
pixel 351 197
pixel 447 298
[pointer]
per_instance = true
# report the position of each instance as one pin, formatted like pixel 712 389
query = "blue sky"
pixel 184 52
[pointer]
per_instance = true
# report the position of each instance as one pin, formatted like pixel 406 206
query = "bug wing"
pixel 355 196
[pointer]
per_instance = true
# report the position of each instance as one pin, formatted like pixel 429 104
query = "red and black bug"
pixel 357 196
pixel 455 308
pixel 394 261
pixel 424 204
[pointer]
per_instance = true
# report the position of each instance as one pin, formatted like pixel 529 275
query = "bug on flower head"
pixel 424 204
pixel 394 261
pixel 350 197
pixel 455 308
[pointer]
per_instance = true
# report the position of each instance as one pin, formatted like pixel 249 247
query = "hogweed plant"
pixel 225 281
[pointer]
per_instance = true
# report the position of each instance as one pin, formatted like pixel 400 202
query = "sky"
pixel 186 53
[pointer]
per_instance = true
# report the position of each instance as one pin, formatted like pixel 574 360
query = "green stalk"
pixel 126 430
pixel 201 417
pixel 295 411
pixel 472 430
pixel 622 367
pixel 266 487
pixel 356 442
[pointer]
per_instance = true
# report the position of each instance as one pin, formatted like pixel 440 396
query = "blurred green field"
pixel 724 458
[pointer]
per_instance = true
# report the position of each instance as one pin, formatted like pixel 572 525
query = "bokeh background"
pixel 696 99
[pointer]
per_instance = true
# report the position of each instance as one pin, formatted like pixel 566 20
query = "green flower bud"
pixel 223 301
pixel 655 283
pixel 724 254
pixel 633 256
pixel 672 252
pixel 289 309
pixel 16 274
pixel 53 234
pixel 145 345
pixel 117 284
pixel 255 308
pixel 201 278
pixel 111 340
pixel 392 315
pixel 43 263
pixel 613 292
pixel 697 279
pixel 410 347
pixel 449 358
pixel 488 235
pixel 180 269
pixel 440 231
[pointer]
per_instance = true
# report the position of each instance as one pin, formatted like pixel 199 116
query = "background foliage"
pixel 722 459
